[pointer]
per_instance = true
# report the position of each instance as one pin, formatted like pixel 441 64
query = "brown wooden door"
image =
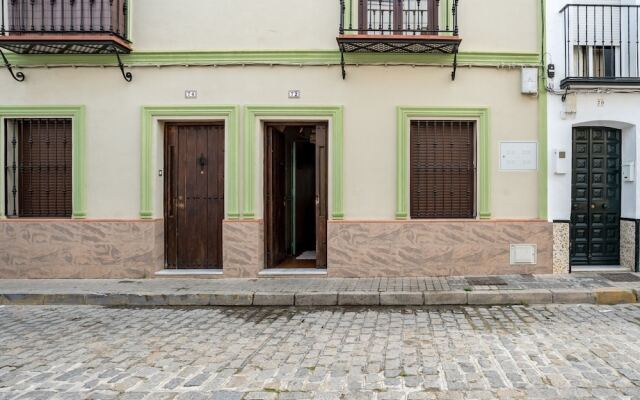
pixel 321 196
pixel 194 195
pixel 275 196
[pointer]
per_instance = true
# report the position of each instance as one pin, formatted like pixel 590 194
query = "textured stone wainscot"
pixel 560 247
pixel 80 248
pixel 628 244
pixel 242 248
pixel 435 248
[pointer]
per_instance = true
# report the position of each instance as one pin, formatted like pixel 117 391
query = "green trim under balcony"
pixel 77 115
pixel 231 116
pixel 274 57
pixel 334 114
pixel 406 114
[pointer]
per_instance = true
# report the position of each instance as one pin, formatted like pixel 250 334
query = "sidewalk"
pixel 594 288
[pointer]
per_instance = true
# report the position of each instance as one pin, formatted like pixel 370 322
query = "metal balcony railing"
pixel 601 43
pixel 64 17
pixel 399 17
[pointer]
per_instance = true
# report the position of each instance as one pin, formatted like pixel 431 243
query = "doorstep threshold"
pixel 598 268
pixel 189 272
pixel 269 272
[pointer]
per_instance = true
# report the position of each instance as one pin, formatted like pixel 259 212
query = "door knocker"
pixel 202 162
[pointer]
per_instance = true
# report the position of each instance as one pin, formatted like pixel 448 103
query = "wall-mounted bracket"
pixel 344 72
pixel 125 74
pixel 455 65
pixel 18 76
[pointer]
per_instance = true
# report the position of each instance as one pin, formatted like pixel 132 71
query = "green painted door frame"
pixel 77 115
pixel 231 116
pixel 406 114
pixel 253 115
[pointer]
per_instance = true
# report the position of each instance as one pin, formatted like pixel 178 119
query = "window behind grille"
pixel 38 168
pixel 443 174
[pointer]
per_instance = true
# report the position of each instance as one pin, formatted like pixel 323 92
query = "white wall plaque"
pixel 190 94
pixel 518 156
pixel 294 94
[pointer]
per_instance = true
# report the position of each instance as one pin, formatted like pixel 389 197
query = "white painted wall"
pixel 617 110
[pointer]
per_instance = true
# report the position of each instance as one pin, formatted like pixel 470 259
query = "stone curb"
pixel 611 296
pixel 605 296
pixel 509 297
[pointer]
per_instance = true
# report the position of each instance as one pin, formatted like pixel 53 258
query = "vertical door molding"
pixel 332 113
pixel 231 116
pixel 77 115
pixel 405 114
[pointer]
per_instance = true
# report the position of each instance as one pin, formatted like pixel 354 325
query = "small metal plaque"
pixel 190 94
pixel 294 94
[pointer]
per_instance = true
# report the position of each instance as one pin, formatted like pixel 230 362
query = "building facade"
pixel 241 139
pixel 592 124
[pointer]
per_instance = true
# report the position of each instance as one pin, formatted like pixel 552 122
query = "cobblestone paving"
pixel 550 352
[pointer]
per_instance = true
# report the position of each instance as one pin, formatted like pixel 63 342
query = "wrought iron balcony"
pixel 64 26
pixel 601 45
pixel 399 26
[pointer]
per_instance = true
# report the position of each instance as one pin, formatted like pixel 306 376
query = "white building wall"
pixel 603 108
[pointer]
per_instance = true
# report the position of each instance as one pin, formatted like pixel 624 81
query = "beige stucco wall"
pixel 307 25
pixel 370 96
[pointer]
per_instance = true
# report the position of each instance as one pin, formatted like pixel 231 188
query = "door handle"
pixel 593 206
pixel 604 205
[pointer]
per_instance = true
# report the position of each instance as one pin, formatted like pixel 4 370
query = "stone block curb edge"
pixel 604 296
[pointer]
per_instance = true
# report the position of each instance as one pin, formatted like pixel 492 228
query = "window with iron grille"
pixel 386 17
pixel 442 169
pixel 38 168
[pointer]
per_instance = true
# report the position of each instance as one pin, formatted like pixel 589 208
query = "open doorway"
pixel 295 195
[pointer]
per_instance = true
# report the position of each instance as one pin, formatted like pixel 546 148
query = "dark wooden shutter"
pixel 442 169
pixel 40 184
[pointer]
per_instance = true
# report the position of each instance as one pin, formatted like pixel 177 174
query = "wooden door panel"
pixel 170 196
pixel 595 209
pixel 274 197
pixel 194 195
pixel 321 195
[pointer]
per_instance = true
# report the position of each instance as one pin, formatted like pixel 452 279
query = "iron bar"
pixel 64 16
pixel 400 17
pixel 599 46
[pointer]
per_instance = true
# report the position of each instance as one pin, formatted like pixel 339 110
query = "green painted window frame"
pixel 406 114
pixel 333 113
pixel 229 113
pixel 78 126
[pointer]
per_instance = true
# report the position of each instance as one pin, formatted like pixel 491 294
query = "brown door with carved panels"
pixel 595 196
pixel 194 195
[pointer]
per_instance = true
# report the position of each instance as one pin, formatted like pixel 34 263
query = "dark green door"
pixel 595 196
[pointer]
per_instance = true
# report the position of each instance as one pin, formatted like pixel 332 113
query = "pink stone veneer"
pixel 435 248
pixel 243 248
pixel 80 248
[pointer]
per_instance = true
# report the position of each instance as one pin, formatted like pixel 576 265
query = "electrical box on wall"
pixel 523 254
pixel 530 80
pixel 628 171
pixel 560 162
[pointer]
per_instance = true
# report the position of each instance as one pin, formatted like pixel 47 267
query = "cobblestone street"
pixel 550 352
